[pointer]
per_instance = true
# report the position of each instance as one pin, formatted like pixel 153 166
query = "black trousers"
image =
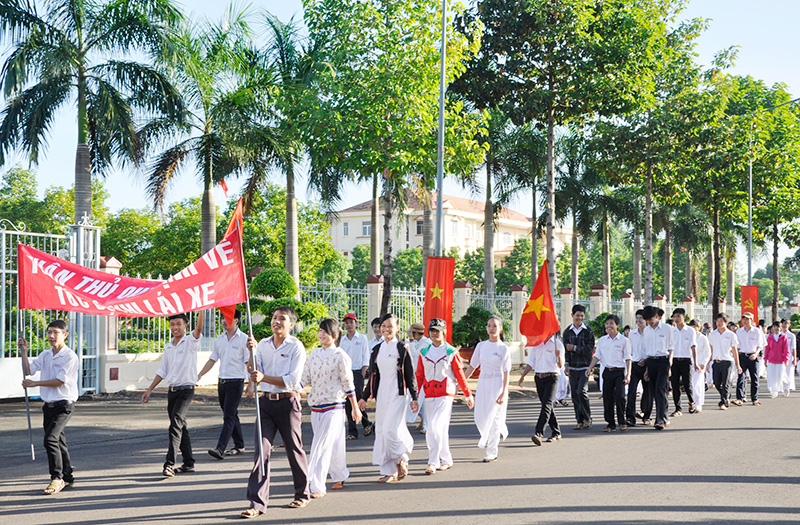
pixel 230 394
pixel 546 390
pixel 614 396
pixel 55 421
pixel 579 387
pixel 658 371
pixel 177 406
pixel 637 376
pixel 720 372
pixel 279 416
pixel 681 375
pixel 752 366
pixel 352 429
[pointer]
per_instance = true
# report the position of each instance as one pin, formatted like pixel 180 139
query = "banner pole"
pixel 22 362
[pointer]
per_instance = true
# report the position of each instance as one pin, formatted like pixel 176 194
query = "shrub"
pixel 273 282
pixel 471 329
pixel 598 325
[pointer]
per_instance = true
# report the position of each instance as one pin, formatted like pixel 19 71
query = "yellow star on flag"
pixel 436 292
pixel 536 306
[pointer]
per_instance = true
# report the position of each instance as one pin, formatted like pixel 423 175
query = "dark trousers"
pixel 637 376
pixel 55 440
pixel 658 372
pixel 752 366
pixel 230 394
pixel 546 390
pixel 579 387
pixel 279 416
pixel 681 375
pixel 352 429
pixel 614 396
pixel 177 406
pixel 720 372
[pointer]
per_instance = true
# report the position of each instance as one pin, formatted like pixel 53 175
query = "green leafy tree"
pixel 407 266
pixel 360 270
pixel 75 54
pixel 517 266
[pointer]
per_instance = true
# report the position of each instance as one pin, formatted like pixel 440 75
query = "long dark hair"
pixel 331 327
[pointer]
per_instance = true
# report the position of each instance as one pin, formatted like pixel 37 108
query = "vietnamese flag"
pixel 235 224
pixel 750 301
pixel 439 279
pixel 539 321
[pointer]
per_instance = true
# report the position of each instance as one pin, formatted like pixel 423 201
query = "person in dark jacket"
pixel 579 344
pixel 390 375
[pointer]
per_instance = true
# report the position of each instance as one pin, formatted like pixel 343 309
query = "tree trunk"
pixel 668 262
pixel 730 277
pixel 292 242
pixel 374 252
pixel 534 240
pixel 551 200
pixel 689 291
pixel 637 265
pixel 775 291
pixel 648 238
pixel 208 231
pixel 83 168
pixel 488 238
pixel 387 243
pixel 606 255
pixel 575 255
pixel 717 264
pixel 710 285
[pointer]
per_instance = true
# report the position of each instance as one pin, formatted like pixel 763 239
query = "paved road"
pixel 735 466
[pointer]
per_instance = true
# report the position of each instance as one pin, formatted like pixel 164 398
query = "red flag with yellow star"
pixel 539 321
pixel 439 279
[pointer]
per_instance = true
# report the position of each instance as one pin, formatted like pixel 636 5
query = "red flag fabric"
pixel 439 279
pixel 235 224
pixel 224 187
pixel 49 283
pixel 539 320
pixel 750 301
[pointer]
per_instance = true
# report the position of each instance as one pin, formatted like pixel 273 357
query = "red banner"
pixel 439 279
pixel 538 321
pixel 49 283
pixel 750 301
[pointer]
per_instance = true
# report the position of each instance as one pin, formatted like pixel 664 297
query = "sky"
pixel 765 32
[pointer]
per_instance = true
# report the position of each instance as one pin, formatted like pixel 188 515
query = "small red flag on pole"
pixel 236 221
pixel 539 320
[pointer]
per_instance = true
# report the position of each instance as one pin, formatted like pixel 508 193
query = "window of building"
pixel 454 227
pixel 467 231
pixel 346 228
pixel 366 228
pixel 420 227
pixel 507 239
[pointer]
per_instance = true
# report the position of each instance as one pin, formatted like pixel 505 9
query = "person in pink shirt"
pixel 776 356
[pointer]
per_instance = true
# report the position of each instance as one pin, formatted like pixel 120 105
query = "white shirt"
pixel 577 329
pixel 750 341
pixel 414 348
pixel 792 343
pixel 375 341
pixel 232 355
pixel 63 366
pixel 637 345
pixel 683 340
pixel 703 350
pixel 613 352
pixel 357 349
pixel 543 358
pixel 286 361
pixel 658 341
pixel 721 344
pixel 179 362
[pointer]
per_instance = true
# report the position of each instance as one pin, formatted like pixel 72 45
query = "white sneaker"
pixel 489 459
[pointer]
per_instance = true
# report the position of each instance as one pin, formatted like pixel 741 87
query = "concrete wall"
pixel 136 371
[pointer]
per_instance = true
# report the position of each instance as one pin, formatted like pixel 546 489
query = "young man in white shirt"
pixel 701 364
pixel 685 353
pixel 280 360
pixel 723 353
pixel 546 360
pixel 179 369
pixel 751 344
pixel 638 372
pixel 357 348
pixel 58 388
pixel 230 349
pixel 614 352
pixel 658 345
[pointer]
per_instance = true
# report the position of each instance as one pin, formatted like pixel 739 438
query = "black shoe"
pixel 659 426
pixel 234 451
pixel 368 429
pixel 537 440
pixel 216 453
pixel 184 469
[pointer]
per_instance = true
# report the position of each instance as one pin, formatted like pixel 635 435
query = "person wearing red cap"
pixel 357 348
pixel 438 372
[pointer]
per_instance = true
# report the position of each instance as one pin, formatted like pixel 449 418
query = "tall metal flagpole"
pixel 440 142
pixel 27 400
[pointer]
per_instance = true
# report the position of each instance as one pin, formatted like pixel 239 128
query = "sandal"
pixel 579 426
pixel 430 470
pixel 298 504
pixel 55 486
pixel 339 485
pixel 609 429
pixel 445 467
pixel 553 438
pixel 250 513
pixel 184 469
pixel 402 470
pixel 351 437
pixel 387 479
pixel 168 471
pixel 317 495
pixel 235 451
pixel 368 430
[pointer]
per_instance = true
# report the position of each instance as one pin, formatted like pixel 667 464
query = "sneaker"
pixel 537 440
pixel 234 451
pixel 216 453
pixel 490 459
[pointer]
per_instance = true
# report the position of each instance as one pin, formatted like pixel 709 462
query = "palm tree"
pixel 74 53
pixel 226 129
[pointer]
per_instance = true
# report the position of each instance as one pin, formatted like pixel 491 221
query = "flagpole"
pixel 27 400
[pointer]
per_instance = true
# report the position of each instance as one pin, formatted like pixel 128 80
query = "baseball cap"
pixel 437 324
pixel 350 315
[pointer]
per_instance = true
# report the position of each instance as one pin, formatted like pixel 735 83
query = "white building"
pixel 463 227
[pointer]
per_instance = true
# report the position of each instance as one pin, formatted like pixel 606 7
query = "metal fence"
pixel 136 335
pixel 502 304
pixel 339 300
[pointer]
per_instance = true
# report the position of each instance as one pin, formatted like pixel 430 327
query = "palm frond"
pixel 166 167
pixel 149 88
pixel 112 131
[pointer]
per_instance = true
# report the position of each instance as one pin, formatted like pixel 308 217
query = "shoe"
pixel 587 423
pixel 55 486
pixel 250 513
pixel 692 408
pixel 676 413
pixel 168 471
pixel 339 485
pixel 639 415
pixel 623 428
pixel 579 426
pixel 537 440
pixel 216 453
pixel 444 466
pixel 430 470
pixel 609 428
pixel 553 438
pixel 184 469
pixel 658 426
pixel 234 451
pixel 423 431
pixel 351 437
pixel 756 403
pixel 490 459
pixel 368 429
pixel 317 495
pixel 723 407
pixel 646 421
pixel 402 470
pixel 737 402
pixel 786 393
